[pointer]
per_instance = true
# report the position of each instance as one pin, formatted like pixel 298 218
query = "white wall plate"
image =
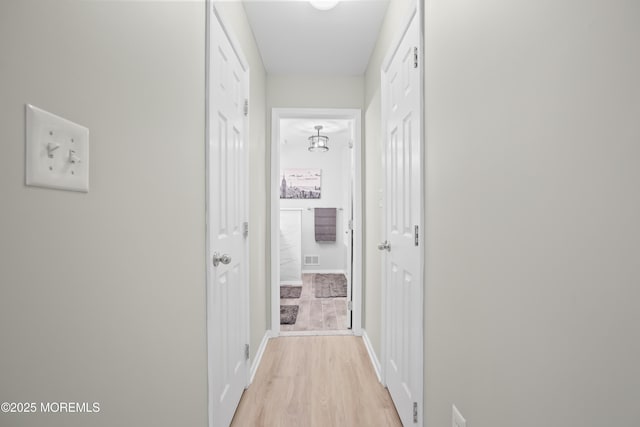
pixel 457 419
pixel 57 152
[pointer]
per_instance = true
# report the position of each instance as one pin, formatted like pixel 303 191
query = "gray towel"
pixel 325 224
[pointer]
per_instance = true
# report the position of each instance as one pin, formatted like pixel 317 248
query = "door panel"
pixel 403 213
pixel 227 198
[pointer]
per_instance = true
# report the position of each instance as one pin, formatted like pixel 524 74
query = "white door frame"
pixel 415 11
pixel 321 113
pixel 211 14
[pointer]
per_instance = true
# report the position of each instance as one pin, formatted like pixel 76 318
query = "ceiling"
pixel 295 38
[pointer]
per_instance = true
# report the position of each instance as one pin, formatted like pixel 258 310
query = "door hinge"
pixel 416 236
pixel 415 412
pixel 350 225
pixel 415 57
pixel 246 351
pixel 246 107
pixel 245 229
pixel 350 305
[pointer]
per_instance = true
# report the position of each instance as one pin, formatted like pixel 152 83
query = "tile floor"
pixel 316 314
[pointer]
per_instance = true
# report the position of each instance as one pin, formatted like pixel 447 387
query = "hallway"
pixel 529 232
pixel 316 381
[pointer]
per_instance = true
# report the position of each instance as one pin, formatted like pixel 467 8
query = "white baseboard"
pixel 372 355
pixel 258 357
pixel 324 272
pixel 291 282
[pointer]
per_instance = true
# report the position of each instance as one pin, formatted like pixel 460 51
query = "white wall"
pixel 533 141
pixel 294 155
pixel 102 295
pixel 233 14
pixel 286 91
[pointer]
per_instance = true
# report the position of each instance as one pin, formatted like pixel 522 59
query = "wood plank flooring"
pixel 316 381
pixel 316 314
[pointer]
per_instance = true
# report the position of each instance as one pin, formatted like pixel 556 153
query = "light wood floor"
pixel 316 314
pixel 316 381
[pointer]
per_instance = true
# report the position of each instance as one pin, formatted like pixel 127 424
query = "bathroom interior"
pixel 315 200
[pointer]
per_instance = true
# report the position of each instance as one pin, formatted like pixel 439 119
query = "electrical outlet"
pixel 457 418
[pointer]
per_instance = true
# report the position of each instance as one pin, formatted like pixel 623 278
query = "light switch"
pixel 57 152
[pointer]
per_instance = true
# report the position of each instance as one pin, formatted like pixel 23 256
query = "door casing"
pixel 277 114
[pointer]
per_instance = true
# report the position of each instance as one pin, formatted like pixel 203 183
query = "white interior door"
pixel 227 255
pixel 402 118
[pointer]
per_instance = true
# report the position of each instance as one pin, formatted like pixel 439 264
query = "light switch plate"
pixel 57 152
pixel 458 419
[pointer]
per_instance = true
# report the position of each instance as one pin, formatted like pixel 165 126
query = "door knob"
pixel 385 246
pixel 217 259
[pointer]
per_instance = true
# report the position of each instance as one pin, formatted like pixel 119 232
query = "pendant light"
pixel 318 142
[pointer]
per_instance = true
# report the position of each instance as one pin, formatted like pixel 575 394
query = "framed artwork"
pixel 301 184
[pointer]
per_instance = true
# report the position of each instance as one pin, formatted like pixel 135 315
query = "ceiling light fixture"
pixel 318 142
pixel 324 4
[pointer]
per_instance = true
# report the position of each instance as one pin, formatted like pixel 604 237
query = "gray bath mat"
pixel 330 285
pixel 290 291
pixel 288 314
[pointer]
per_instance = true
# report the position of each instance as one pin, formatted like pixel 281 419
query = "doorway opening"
pixel 316 233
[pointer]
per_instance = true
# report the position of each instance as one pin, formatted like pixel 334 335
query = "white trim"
pixel 324 272
pixel 275 220
pixel 207 131
pixel 328 113
pixel 383 223
pixel 258 357
pixel 291 282
pixel 345 332
pixel 372 355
